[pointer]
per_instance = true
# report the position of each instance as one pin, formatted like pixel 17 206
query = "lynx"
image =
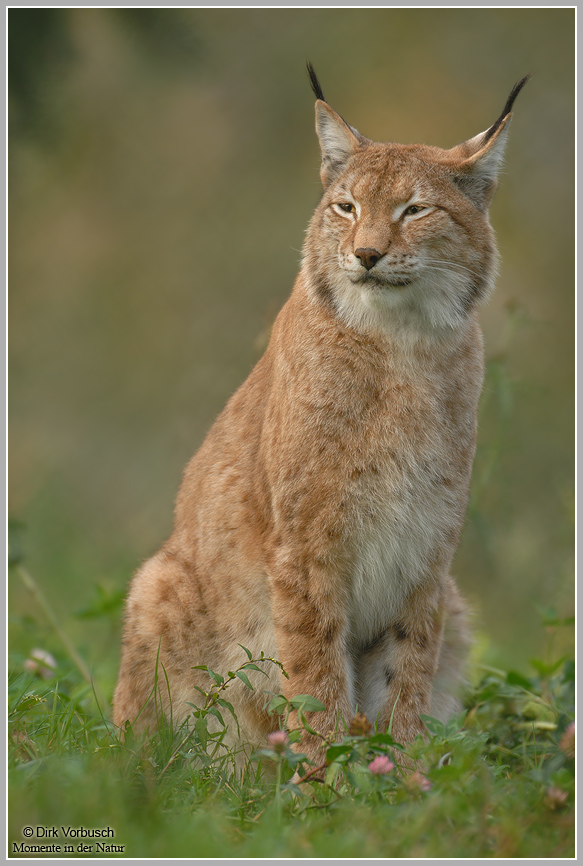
pixel 318 521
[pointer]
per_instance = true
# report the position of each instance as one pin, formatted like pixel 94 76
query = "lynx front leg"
pixel 398 670
pixel 310 631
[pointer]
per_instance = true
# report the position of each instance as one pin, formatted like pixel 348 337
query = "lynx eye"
pixel 414 209
pixel 346 206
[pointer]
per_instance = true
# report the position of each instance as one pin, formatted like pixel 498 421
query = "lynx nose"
pixel 369 257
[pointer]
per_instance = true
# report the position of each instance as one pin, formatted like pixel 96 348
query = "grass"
pixel 496 781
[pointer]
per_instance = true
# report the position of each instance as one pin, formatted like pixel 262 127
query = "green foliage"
pixel 497 780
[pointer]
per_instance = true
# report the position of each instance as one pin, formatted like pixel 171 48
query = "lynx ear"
pixel 338 140
pixel 478 160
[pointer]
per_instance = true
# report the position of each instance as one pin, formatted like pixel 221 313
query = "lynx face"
pixel 401 243
pixel 403 234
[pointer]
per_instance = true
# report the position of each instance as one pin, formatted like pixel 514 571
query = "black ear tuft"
pixel 508 107
pixel 315 83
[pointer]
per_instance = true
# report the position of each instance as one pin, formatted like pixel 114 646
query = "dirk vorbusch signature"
pixel 63 834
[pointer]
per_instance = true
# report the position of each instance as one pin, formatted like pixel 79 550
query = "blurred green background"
pixel 163 167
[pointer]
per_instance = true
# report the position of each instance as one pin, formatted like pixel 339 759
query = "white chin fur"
pixel 432 302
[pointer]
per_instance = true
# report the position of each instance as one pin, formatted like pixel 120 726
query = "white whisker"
pixel 440 264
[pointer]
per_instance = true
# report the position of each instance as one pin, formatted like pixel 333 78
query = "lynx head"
pixel 401 238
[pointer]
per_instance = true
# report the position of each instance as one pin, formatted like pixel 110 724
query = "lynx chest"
pixel 406 507
pixel 369 462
